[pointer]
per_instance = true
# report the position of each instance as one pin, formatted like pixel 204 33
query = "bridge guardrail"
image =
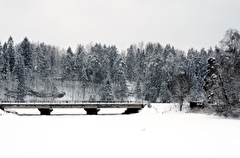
pixel 76 102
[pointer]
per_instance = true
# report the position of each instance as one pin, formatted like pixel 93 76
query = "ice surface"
pixel 155 132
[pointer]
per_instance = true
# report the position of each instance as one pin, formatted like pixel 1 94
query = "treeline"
pixel 144 73
pixel 99 72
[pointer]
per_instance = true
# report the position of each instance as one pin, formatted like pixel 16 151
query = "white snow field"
pixel 154 132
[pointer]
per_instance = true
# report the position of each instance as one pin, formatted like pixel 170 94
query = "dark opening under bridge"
pixel 91 107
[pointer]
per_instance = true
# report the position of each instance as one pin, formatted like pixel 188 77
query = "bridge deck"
pixel 73 104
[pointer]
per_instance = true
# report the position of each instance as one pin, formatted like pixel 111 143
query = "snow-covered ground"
pixel 159 131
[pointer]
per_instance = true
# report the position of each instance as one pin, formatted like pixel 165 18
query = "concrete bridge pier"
pixel 132 110
pixel 92 111
pixel 44 111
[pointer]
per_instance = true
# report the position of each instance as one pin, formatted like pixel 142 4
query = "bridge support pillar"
pixel 132 110
pixel 92 111
pixel 45 111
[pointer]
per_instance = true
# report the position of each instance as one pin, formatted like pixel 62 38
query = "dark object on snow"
pixel 196 104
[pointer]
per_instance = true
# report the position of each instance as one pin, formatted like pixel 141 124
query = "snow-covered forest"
pixel 151 71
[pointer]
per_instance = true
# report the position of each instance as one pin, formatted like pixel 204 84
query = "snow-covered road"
pixel 147 134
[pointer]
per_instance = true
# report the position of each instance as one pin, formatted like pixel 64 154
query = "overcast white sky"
pixel 181 23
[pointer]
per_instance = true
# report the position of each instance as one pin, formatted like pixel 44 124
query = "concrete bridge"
pixel 91 107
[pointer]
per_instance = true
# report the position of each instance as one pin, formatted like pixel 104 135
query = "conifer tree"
pixel 26 52
pixel 1 48
pixel 214 87
pixel 112 57
pixel 139 66
pixel 138 90
pixel 79 64
pixel 41 62
pixel 1 56
pixel 165 94
pixel 130 63
pixel 121 89
pixel 5 69
pixel 19 71
pixel 84 81
pixel 11 53
pixel 107 93
pixel 229 64
pixel 68 65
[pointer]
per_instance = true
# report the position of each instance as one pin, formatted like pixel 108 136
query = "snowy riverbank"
pixel 147 134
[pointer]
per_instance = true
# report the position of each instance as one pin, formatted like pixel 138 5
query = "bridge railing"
pixel 75 102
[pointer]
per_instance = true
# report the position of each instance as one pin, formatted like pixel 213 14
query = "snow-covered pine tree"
pixel 111 58
pixel 167 51
pixel 79 64
pixel 120 81
pixel 19 71
pixel 139 60
pixel 165 94
pixel 153 79
pixel 138 91
pixel 229 64
pixel 5 70
pixel 107 92
pixel 209 80
pixel 84 82
pixel 41 62
pixel 130 63
pixel 214 87
pixel 11 53
pixel 8 62
pixel 26 52
pixel 68 66
pixel 211 53
pixel 97 70
pixel 1 57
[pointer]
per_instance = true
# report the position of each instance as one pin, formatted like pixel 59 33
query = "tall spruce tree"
pixel 79 64
pixel 41 62
pixel 214 87
pixel 130 63
pixel 11 54
pixel 68 66
pixel 26 52
pixel 19 71
pixel 112 57
pixel 138 91
pixel 84 81
pixel 1 56
pixel 107 92
pixel 5 69
pixel 121 89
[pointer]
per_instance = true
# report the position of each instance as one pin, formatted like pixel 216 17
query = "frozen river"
pixel 150 133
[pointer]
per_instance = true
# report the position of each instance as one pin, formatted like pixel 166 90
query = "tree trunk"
pixel 181 103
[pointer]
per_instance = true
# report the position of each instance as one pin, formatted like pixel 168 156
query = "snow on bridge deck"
pixel 73 104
